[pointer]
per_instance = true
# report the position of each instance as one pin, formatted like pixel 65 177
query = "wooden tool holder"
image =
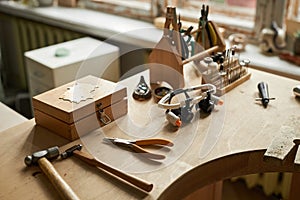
pixel 233 74
pixel 166 60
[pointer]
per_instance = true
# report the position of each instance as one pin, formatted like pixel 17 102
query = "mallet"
pixel 42 158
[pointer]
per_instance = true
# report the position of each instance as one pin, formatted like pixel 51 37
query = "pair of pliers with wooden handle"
pixel 136 145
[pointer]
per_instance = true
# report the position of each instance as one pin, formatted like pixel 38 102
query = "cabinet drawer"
pixel 37 87
pixel 39 72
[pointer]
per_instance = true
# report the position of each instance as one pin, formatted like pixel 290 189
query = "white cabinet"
pixel 84 56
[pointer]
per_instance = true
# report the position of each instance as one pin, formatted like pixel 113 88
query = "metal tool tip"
pixel 108 140
pixel 28 160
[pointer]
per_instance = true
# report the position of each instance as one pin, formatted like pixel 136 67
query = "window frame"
pixel 293 17
pixel 246 22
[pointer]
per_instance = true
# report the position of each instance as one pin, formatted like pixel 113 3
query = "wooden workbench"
pixel 230 142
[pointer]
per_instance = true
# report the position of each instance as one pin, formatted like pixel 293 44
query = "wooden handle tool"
pixel 41 158
pixel 201 55
pixel 57 181
pixel 153 141
pixel 127 177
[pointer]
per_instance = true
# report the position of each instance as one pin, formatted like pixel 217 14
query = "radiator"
pixel 36 35
pixel 272 183
pixel 18 36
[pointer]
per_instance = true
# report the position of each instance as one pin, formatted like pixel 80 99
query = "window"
pixel 237 15
pixel 294 10
pixel 246 16
pixel 293 17
pixel 140 9
pixel 224 12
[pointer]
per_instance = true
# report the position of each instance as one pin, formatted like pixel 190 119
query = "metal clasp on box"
pixel 104 118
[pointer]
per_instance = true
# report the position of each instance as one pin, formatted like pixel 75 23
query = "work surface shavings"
pixel 282 145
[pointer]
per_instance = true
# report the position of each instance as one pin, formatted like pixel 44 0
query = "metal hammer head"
pixel 51 153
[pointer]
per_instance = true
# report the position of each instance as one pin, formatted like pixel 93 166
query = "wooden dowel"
pixel 58 182
pixel 200 55
pixel 144 185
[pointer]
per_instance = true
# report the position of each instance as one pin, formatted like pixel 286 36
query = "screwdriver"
pixel 264 94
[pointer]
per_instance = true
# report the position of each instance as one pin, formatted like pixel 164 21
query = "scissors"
pixel 135 145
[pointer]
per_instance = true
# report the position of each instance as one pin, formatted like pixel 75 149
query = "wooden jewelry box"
pixel 74 109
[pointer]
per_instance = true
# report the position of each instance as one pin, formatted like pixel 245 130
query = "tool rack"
pixel 228 75
pixel 208 42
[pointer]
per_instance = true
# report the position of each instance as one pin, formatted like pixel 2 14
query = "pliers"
pixel 135 145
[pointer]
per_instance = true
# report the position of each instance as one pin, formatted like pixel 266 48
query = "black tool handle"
pixel 264 93
pixel 263 90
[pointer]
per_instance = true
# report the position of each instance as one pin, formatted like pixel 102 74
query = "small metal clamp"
pixel 104 118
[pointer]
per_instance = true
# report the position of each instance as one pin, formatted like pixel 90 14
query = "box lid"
pixel 78 99
pixel 79 50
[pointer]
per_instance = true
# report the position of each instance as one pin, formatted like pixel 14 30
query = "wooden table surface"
pixel 229 142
